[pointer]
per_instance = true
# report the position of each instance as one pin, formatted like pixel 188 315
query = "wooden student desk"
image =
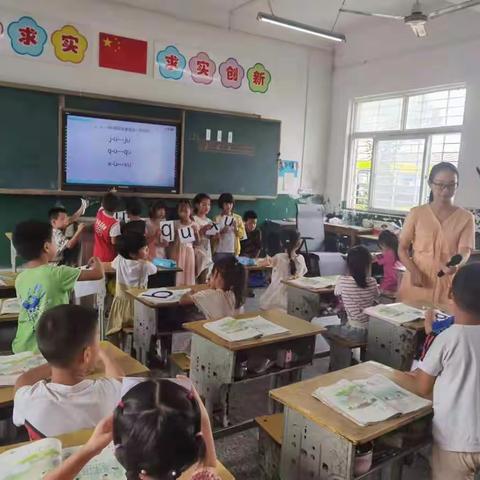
pixel 8 290
pixel 163 278
pixel 319 442
pixel 307 302
pixel 216 364
pixel 152 319
pixel 79 438
pixel 396 345
pixel 131 367
pixel 351 231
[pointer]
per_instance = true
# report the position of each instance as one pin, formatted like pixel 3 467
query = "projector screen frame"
pixel 65 186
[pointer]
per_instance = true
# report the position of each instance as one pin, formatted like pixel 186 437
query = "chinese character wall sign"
pixel 69 44
pixel 27 37
pixel 201 68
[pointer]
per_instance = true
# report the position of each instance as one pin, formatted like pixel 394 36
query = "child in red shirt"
pixel 106 228
pixel 388 242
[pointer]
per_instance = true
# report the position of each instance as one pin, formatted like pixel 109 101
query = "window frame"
pixel 402 134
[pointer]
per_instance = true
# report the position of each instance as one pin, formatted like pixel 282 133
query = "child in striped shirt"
pixel 359 289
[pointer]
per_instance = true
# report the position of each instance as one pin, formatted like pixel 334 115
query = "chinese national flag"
pixel 122 53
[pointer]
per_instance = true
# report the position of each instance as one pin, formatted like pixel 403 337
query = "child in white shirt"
pixel 358 290
pixel 203 248
pixel 226 293
pixel 156 246
pixel 68 338
pixel 451 369
pixel 133 269
pixel 285 265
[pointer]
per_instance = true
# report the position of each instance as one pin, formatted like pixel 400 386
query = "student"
pixel 135 222
pixel 358 290
pixel 230 235
pixel 285 265
pixel 107 228
pixel 133 269
pixel 68 338
pixel 388 243
pixel 451 369
pixel 183 253
pixel 226 293
pixel 42 285
pixel 203 248
pixel 59 220
pixel 156 246
pixel 252 245
pixel 159 429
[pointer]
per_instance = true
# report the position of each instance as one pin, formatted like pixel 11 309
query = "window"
pixel 396 141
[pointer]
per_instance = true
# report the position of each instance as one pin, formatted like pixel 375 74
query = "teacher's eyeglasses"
pixel 445 186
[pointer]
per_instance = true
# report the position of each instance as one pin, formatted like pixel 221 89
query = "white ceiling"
pixel 320 13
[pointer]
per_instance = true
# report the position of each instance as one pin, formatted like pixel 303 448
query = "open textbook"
pixel 164 295
pixel 238 329
pixel 396 313
pixel 9 306
pixel 12 366
pixel 34 460
pixel 316 282
pixel 370 400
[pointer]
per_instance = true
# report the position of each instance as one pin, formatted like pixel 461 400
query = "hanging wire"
pixel 338 15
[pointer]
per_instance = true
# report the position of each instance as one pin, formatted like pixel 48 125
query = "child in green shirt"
pixel 42 285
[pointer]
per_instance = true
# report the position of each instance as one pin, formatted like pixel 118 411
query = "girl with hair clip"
pixel 160 429
pixel 285 265
pixel 183 253
pixel 388 243
pixel 226 293
pixel 203 248
pixel 359 290
pixel 156 246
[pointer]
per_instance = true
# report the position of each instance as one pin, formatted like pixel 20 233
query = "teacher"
pixel 432 234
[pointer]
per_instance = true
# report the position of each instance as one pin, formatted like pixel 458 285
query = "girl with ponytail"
pixel 285 265
pixel 226 293
pixel 160 429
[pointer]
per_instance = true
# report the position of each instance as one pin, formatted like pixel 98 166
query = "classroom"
pixel 239 239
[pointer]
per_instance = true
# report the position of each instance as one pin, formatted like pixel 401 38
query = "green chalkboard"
pixel 245 164
pixel 28 139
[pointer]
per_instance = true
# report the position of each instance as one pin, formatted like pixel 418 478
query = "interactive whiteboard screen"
pixel 104 152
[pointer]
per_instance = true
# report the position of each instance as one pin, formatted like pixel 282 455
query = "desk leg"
pixel 144 328
pixel 309 451
pixel 392 345
pixel 340 357
pixel 211 371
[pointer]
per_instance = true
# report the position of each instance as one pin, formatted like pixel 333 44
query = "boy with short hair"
pixel 42 285
pixel 68 338
pixel 59 220
pixel 451 369
pixel 106 228
pixel 228 243
pixel 252 245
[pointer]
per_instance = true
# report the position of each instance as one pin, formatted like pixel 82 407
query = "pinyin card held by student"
pixel 167 231
pixel 186 235
pixel 213 230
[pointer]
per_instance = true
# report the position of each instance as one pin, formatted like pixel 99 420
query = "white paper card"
pixel 228 221
pixel 213 230
pixel 186 235
pixel 219 135
pixel 230 137
pixel 208 134
pixel 167 231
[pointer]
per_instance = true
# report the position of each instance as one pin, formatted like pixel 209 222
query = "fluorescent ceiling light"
pixel 300 27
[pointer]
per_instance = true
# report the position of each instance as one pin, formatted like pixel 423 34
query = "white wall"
pixel 386 57
pixel 288 63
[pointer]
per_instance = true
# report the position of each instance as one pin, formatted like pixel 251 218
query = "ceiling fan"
pixel 417 19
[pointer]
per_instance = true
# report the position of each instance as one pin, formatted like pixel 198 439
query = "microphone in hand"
pixel 453 262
